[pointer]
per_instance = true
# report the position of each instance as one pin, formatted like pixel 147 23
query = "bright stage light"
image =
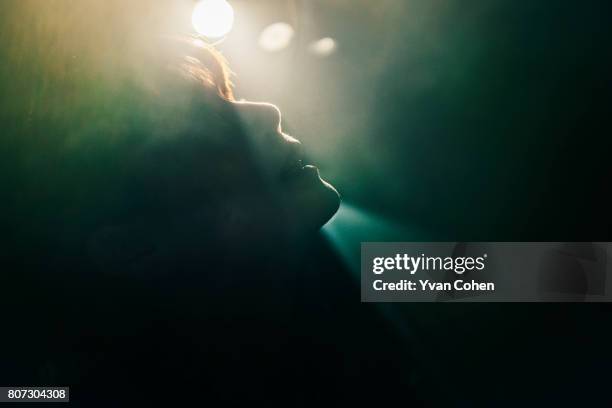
pixel 323 47
pixel 276 37
pixel 213 18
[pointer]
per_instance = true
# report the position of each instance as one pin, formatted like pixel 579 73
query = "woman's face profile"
pixel 306 198
pixel 235 154
pixel 143 129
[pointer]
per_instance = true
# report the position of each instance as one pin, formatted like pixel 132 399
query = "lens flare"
pixel 323 47
pixel 276 37
pixel 213 18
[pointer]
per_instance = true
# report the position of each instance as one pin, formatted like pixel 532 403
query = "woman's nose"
pixel 262 122
pixel 294 147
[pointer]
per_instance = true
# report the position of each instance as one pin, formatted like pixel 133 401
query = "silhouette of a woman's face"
pixel 138 128
pixel 306 197
pixel 220 165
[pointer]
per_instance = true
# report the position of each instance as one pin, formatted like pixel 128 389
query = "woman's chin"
pixel 332 202
pixel 311 207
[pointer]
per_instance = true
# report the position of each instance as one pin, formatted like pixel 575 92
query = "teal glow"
pixel 352 225
pixel 349 228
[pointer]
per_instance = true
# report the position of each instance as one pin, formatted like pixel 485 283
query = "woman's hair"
pixel 206 65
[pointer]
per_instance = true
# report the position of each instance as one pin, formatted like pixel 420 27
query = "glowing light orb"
pixel 213 18
pixel 323 47
pixel 276 37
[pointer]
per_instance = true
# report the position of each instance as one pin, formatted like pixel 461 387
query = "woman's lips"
pixel 300 173
pixel 309 174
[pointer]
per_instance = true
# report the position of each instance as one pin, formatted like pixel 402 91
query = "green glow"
pixel 349 228
pixel 352 225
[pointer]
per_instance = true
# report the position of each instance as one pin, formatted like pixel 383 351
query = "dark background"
pixel 437 120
